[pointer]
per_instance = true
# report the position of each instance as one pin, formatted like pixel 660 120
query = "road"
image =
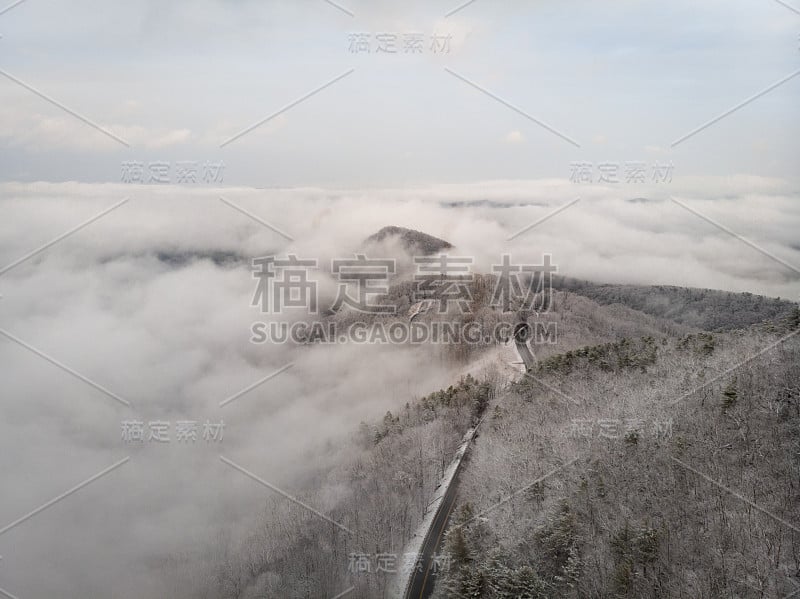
pixel 522 332
pixel 423 579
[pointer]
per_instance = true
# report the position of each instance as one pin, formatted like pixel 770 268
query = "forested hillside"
pixel 707 309
pixel 665 478
pixel 627 419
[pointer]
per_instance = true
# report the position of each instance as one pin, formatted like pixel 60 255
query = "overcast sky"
pixel 623 80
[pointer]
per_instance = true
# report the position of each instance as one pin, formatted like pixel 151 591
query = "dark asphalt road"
pixel 421 585
pixel 522 333
pixel 424 578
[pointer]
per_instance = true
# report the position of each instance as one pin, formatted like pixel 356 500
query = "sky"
pixel 622 80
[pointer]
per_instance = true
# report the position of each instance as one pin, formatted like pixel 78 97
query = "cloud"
pixel 56 131
pixel 170 138
pixel 656 150
pixel 136 302
pixel 142 71
pixel 514 137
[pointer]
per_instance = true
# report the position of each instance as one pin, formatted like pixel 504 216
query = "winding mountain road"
pixel 523 332
pixel 423 577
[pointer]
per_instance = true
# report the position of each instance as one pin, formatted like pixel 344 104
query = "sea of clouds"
pixel 132 303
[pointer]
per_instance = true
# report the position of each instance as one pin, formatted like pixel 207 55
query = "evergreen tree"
pixel 794 318
pixel 729 395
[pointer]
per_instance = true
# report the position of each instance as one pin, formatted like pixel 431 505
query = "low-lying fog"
pixel 130 303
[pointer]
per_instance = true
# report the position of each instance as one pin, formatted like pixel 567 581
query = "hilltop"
pixel 416 243
pixel 707 309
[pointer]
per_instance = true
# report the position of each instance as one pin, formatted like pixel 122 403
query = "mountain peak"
pixel 415 242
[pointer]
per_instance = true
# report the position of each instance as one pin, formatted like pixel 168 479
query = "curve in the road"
pixel 422 581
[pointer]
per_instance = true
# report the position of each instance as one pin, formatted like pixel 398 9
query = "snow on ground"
pixel 414 546
pixel 506 358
